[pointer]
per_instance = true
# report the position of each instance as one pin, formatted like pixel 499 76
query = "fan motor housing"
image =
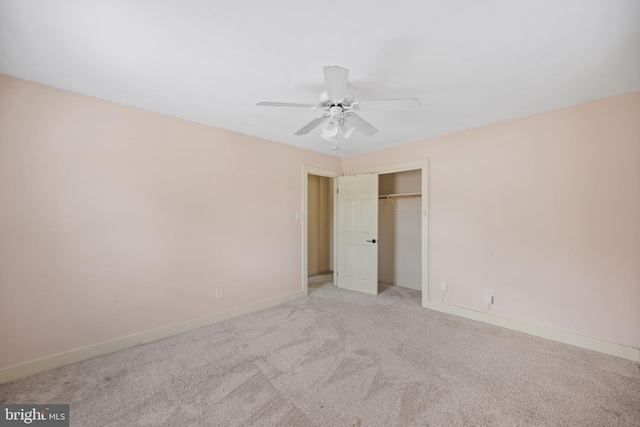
pixel 336 111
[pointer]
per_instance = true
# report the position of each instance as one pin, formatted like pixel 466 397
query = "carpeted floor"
pixel 340 358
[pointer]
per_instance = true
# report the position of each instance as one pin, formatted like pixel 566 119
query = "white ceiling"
pixel 469 62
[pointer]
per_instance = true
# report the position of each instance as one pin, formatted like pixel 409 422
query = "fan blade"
pixel 312 124
pixel 363 127
pixel 335 79
pixel 287 104
pixel 387 104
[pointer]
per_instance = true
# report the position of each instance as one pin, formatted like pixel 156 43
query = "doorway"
pixel 319 218
pixel 319 225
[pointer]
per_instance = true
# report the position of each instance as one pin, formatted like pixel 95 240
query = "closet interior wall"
pixel 399 229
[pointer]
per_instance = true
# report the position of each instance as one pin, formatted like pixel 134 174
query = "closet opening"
pixel 400 230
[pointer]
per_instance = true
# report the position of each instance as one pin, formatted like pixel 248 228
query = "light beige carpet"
pixel 339 358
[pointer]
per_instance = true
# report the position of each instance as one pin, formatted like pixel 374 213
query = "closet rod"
pixel 388 196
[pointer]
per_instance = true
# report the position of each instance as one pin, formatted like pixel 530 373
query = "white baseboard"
pixel 601 346
pixel 319 272
pixel 414 287
pixel 14 372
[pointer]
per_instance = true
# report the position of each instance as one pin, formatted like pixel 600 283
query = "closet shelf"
pixel 388 196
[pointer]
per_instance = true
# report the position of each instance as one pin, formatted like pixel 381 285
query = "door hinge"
pixel 337 191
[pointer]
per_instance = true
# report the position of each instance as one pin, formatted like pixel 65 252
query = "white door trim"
pixel 306 171
pixel 422 164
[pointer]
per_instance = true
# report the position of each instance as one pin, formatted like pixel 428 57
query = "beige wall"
pixel 545 210
pixel 320 215
pixel 115 220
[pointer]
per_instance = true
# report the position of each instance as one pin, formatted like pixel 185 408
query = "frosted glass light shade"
pixel 348 128
pixel 330 131
pixel 329 128
pixel 329 138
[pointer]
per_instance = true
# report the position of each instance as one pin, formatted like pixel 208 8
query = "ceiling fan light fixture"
pixel 329 137
pixel 338 106
pixel 329 131
pixel 348 128
pixel 330 128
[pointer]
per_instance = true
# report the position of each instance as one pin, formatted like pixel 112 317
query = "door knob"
pixel 372 241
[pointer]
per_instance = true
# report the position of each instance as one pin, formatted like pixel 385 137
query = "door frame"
pixel 306 171
pixel 423 165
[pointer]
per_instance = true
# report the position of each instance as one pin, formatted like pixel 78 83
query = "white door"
pixel 358 233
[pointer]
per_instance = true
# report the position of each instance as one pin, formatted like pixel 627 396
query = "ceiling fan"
pixel 339 108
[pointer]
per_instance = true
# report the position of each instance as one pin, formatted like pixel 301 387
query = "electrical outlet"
pixel 489 296
pixel 443 285
pixel 219 293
